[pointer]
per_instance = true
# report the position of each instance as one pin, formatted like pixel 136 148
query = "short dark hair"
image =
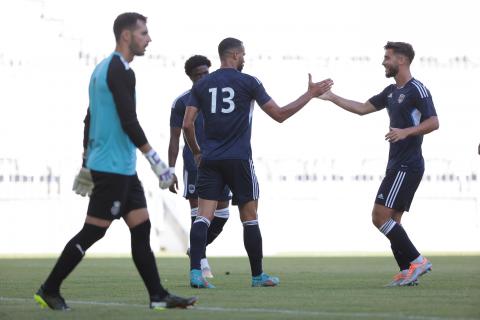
pixel 228 44
pixel 196 61
pixel 125 21
pixel 402 48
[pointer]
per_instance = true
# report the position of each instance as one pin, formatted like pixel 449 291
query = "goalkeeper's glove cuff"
pixel 152 157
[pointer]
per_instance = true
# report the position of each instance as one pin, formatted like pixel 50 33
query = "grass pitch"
pixel 310 288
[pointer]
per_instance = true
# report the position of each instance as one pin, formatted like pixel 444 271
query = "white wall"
pixel 46 63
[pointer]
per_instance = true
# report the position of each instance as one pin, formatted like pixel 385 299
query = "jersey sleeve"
pixel 380 100
pixel 259 93
pixel 177 113
pixel 193 100
pixel 122 85
pixel 86 129
pixel 424 103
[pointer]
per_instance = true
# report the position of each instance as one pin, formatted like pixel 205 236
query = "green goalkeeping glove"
pixel 83 183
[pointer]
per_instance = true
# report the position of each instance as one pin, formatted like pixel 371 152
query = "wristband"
pixel 152 157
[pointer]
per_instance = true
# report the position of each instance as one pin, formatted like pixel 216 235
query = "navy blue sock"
pixel 399 240
pixel 402 262
pixel 71 255
pixel 216 227
pixel 193 215
pixel 198 241
pixel 145 260
pixel 252 239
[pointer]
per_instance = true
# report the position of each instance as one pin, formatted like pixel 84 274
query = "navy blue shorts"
pixel 238 175
pixel 190 181
pixel 398 188
pixel 115 195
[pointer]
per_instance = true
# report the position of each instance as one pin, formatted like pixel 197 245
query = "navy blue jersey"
pixel 226 98
pixel 407 107
pixel 176 121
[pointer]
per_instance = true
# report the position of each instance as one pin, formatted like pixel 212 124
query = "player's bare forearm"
pixel 281 114
pixel 145 148
pixel 348 105
pixel 314 90
pixel 293 107
pixel 192 143
pixel 425 127
pixel 189 133
pixel 173 146
pixel 189 129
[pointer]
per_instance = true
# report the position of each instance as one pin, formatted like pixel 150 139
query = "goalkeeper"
pixel 111 136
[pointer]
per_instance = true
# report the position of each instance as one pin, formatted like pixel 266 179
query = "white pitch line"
pixel 262 310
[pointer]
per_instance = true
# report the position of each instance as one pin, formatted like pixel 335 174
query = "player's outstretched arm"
pixel 281 114
pixel 349 105
pixel 189 132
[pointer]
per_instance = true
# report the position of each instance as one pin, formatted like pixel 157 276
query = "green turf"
pixel 311 288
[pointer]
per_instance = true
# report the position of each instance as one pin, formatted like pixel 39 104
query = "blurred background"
pixel 318 172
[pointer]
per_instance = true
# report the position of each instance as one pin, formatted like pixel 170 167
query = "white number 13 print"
pixel 227 99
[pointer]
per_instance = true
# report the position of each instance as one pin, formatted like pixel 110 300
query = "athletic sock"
pixel 399 239
pixel 402 262
pixel 252 239
pixel 145 260
pixel 198 241
pixel 204 263
pixel 71 255
pixel 419 259
pixel 216 226
pixel 193 214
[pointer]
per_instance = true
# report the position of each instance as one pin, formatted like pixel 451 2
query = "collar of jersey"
pixel 125 62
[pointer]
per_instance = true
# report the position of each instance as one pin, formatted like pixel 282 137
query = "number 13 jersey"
pixel 226 99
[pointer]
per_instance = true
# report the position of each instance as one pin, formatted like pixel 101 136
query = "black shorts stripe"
pixel 398 189
pixel 392 195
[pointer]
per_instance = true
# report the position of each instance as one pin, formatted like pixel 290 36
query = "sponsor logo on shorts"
pixel 115 210
pixel 380 196
pixel 191 188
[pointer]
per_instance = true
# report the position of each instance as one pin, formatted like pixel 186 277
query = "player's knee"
pixel 140 234
pixel 379 218
pixel 94 231
pixel 376 221
pixel 88 236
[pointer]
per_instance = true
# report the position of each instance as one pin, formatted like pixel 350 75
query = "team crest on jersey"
pixel 390 95
pixel 191 188
pixel 401 98
pixel 115 210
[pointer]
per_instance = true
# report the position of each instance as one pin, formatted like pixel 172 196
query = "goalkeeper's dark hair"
pixel 402 48
pixel 127 20
pixel 196 61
